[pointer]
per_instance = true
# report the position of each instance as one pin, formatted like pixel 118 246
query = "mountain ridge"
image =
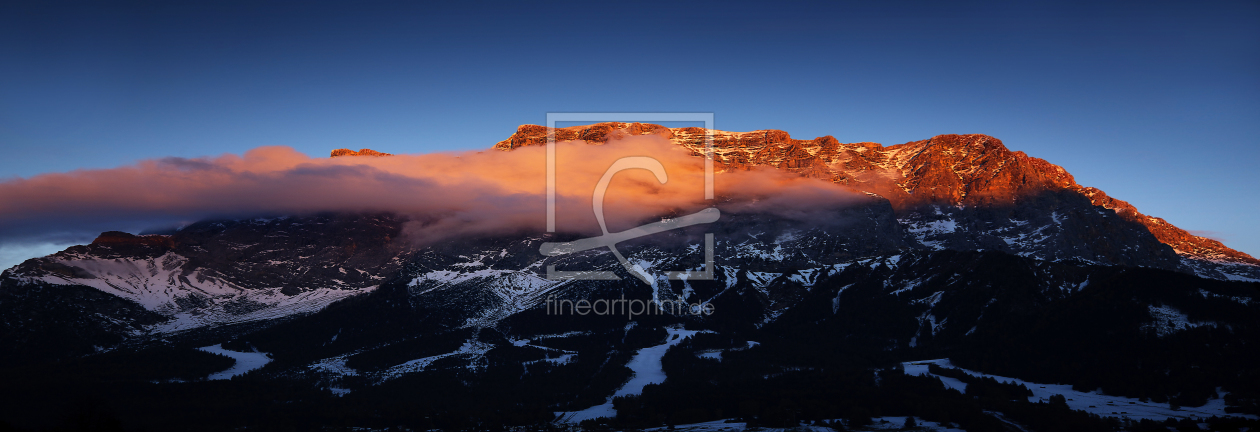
pixel 975 253
pixel 950 192
pixel 362 152
pixel 955 170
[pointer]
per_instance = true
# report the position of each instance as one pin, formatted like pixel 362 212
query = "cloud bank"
pixel 443 194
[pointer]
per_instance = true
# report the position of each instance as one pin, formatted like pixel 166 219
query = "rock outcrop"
pixel 361 152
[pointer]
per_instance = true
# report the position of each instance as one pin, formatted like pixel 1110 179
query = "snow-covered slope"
pixel 229 272
pixel 1092 402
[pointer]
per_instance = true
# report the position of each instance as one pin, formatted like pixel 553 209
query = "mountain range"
pixel 957 247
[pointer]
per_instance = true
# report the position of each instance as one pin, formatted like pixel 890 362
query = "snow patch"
pixel 762 279
pixel 1169 320
pixel 1092 402
pixel 647 368
pixel 835 302
pixel 245 361
pixel 807 277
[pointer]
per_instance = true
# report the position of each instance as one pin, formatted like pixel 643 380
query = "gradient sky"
pixel 1157 103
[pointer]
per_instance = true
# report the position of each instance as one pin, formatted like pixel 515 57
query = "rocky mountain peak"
pixel 361 152
pixel 119 238
pixel 946 170
pixel 532 135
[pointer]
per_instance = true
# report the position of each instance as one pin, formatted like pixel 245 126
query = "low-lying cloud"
pixel 444 194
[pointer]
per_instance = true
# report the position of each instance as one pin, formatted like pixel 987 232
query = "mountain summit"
pixel 361 152
pixel 959 171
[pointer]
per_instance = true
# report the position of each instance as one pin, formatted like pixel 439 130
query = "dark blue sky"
pixel 1155 103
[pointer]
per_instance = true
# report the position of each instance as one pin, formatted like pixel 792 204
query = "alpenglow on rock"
pixel 935 184
pixel 361 152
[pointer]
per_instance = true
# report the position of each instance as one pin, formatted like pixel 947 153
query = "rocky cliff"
pixel 958 171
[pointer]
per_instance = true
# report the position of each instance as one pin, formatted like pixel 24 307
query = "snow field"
pixel 1092 402
pixel 245 361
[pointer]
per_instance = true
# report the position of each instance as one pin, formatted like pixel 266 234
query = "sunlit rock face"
pixel 934 181
pixel 361 152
